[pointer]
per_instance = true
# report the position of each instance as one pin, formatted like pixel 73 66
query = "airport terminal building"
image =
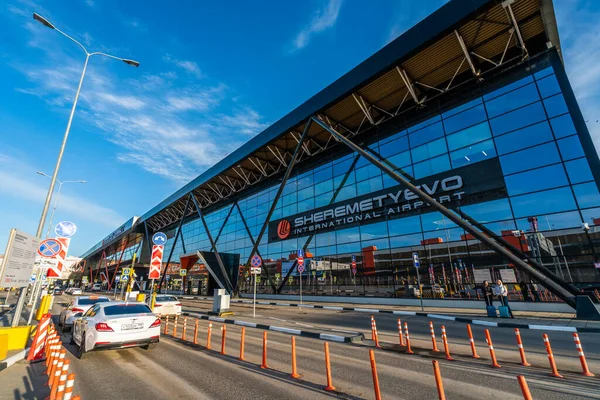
pixel 472 105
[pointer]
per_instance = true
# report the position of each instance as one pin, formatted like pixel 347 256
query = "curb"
pixel 314 335
pixel 421 314
pixel 13 359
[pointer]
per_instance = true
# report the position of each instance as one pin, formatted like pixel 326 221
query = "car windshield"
pixel 121 309
pixel 89 302
pixel 166 298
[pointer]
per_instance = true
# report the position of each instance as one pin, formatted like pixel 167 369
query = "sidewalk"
pixel 24 381
pixel 522 320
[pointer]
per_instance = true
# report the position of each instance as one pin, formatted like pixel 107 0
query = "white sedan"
pixel 165 305
pixel 79 304
pixel 115 325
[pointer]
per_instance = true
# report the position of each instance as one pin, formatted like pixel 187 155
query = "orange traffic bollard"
pixel 438 380
pixel 196 332
pixel 223 338
pixel 521 349
pixel 208 335
pixel 242 344
pixel 68 387
pixel 407 337
pixel 374 332
pixel 524 388
pixel 375 377
pixel 472 342
pixel 61 375
pixel 264 354
pixel 60 388
pixel 400 335
pixel 166 331
pixel 488 339
pixel 554 372
pixel 329 387
pixel 57 364
pixel 584 366
pixel 175 322
pixel 294 374
pixel 445 342
pixel 433 341
pixel 184 329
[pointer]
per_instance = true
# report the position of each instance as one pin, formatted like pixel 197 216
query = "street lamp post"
pixel 60 183
pixel 42 222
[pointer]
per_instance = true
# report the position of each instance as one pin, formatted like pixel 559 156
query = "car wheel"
pixel 150 346
pixel 81 348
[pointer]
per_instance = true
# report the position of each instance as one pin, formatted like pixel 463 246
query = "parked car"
pixel 79 304
pixel 97 287
pixel 58 291
pixel 115 325
pixel 165 305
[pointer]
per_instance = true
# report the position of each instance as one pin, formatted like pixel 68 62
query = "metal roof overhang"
pixel 462 41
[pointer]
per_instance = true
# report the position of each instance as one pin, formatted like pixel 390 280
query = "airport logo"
pixel 283 229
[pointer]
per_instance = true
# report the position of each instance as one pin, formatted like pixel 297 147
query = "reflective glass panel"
pixel 533 157
pixel 570 148
pixel 402 226
pixel 469 136
pixel 425 123
pixel 347 235
pixel 544 72
pixel 548 86
pixel 587 195
pixel 569 219
pixel 512 100
pixel 523 138
pixel 591 216
pixel 435 221
pixel 429 150
pixel 465 119
pixel 406 240
pixel 525 116
pixel 537 179
pixel 461 108
pixel 555 105
pixel 426 134
pixel 508 88
pixel 369 186
pixel 579 171
pixel 498 227
pixel 430 167
pixel 472 154
pixel 563 126
pixel 394 147
pixel 489 211
pixel 546 202
pixel 373 231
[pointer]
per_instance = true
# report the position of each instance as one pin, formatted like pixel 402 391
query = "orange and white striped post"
pixel 175 322
pixel 472 342
pixel 488 339
pixel 68 388
pixel 196 332
pixel 524 388
pixel 374 373
pixel 242 338
pixel 295 374
pixel 438 380
pixel 166 331
pixel 445 342
pixel 407 337
pixel 223 338
pixel 264 353
pixel 57 365
pixel 400 335
pixel 61 375
pixel 584 366
pixel 554 372
pixel 208 335
pixel 50 352
pixel 37 346
pixel 53 380
pixel 329 387
pixel 433 341
pixel 60 388
pixel 375 335
pixel 521 349
pixel 184 329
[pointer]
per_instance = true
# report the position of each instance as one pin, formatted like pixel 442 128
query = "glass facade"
pixel 525 125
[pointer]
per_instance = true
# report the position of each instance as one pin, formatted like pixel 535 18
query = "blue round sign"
pixel 49 248
pixel 159 239
pixel 256 261
pixel 65 229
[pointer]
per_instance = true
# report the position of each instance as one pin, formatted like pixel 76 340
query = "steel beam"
pixel 565 295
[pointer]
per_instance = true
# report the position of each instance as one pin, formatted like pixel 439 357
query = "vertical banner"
pixel 55 268
pixel 156 262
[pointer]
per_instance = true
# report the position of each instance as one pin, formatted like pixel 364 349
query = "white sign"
pixel 65 229
pixel 255 270
pixel 508 276
pixel 19 259
pixel 481 275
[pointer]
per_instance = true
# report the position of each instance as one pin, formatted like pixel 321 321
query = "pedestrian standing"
pixel 536 292
pixel 488 294
pixel 502 293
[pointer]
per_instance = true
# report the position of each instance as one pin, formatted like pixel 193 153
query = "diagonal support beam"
pixel 408 85
pixel 511 16
pixel 463 46
pixel 546 280
pixel 364 107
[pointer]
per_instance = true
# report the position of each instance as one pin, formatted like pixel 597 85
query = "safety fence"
pixel 404 342
pixel 48 347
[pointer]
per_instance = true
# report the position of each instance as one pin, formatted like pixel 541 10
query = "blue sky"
pixel 212 75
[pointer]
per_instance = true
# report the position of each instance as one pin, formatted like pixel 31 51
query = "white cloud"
pixel 189 66
pixel 128 102
pixel 323 19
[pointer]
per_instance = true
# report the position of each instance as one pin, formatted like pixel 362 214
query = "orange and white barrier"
pixel 472 342
pixel 223 338
pixel 68 388
pixel 61 377
pixel 400 335
pixel 208 335
pixel 524 388
pixel 242 338
pixel 196 332
pixel 374 373
pixel 407 337
pixel 166 331
pixel 438 380
pixel 584 366
pixel 37 346
pixel 184 329
pixel 551 357
pixel 329 387
pixel 175 322
pixel 433 341
pixel 445 342
pixel 264 354
pixel 294 373
pixel 521 349
pixel 374 334
pixel 488 339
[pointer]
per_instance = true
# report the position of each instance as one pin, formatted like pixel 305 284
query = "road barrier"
pixel 175 323
pixel 69 387
pixel 524 388
pixel 184 329
pixel 445 342
pixel 196 332
pixel 37 346
pixel 374 335
pixel 264 354
pixel 433 341
pixel 488 339
pixel 61 378
pixel 375 377
pixel 166 331
pixel 521 349
pixel 329 387
pixel 242 338
pixel 554 370
pixel 584 366
pixel 438 380
pixel 407 337
pixel 294 373
pixel 472 342
pixel 208 335
pixel 223 338
pixel 400 335
pixel 54 375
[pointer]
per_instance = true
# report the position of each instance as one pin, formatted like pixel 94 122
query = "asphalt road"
pixel 181 370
